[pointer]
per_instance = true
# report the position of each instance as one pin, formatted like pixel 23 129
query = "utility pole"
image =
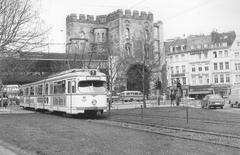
pixel 143 75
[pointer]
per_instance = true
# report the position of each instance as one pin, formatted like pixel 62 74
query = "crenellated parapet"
pixel 102 19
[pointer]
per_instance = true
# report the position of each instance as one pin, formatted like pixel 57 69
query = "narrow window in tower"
pixel 127 33
pixel 98 37
pixel 147 35
pixel 103 37
pixel 128 49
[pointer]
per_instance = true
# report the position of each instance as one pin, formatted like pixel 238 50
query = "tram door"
pixel 70 91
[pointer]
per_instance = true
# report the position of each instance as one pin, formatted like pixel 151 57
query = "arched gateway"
pixel 135 78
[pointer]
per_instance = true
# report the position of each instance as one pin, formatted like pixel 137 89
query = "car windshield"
pixel 215 97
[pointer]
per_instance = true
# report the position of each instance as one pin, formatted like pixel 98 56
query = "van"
pixel 234 97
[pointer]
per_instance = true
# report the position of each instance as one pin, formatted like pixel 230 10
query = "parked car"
pixel 212 100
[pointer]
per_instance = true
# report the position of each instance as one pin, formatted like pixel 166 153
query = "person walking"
pixel 172 97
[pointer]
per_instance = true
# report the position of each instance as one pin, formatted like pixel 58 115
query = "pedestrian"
pixel 5 103
pixel 172 97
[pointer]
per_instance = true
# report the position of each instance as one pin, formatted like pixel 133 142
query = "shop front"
pixel 223 90
pixel 199 92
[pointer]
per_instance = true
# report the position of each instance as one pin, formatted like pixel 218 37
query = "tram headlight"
pixel 94 102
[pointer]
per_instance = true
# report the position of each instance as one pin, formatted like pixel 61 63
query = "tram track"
pixel 203 120
pixel 221 139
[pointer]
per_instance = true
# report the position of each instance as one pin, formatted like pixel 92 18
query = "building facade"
pixel 130 38
pixel 208 61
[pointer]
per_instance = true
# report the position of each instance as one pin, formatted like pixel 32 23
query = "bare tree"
pixel 20 27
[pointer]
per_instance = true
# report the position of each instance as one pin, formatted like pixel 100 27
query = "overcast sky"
pixel 180 17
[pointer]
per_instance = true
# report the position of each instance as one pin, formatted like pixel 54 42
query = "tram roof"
pixel 70 73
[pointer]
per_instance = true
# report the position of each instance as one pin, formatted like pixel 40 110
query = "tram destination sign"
pixel 93 78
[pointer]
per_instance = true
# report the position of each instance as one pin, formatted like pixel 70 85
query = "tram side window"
pixel 59 87
pixel 31 91
pixel 46 89
pixel 51 88
pixel 71 86
pixel 26 92
pixel 40 89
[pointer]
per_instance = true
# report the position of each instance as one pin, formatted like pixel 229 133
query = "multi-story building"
pixel 177 60
pixel 235 61
pixel 199 64
pixel 208 63
pixel 129 38
pixel 220 62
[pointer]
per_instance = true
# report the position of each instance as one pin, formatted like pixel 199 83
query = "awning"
pixel 200 92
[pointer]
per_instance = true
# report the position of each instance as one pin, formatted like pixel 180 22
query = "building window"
pixel 225 53
pixel 183 69
pixel 227 78
pixel 221 65
pixel 215 78
pixel 103 37
pixel 128 49
pixel 237 66
pixel 237 78
pixel 220 53
pixel 147 34
pixel 215 54
pixel 184 80
pixel 183 56
pixel 221 78
pixel 127 33
pixel 205 55
pixel 207 79
pixel 236 54
pixel 206 68
pixel 177 69
pixel 200 56
pixel 224 44
pixel 194 80
pixel 215 66
pixel 227 65
pixel 98 37
pixel 199 69
pixel 176 58
pixel 173 49
pixel 171 59
pixel 172 72
pixel 156 45
pixel 200 79
pixel 193 69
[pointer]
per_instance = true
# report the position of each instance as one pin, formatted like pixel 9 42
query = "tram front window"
pixel 91 86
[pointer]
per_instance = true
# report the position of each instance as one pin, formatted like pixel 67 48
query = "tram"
pixel 73 91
